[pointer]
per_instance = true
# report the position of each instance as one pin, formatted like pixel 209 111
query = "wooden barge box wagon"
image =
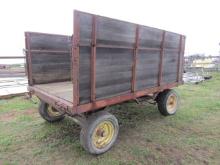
pixel 105 62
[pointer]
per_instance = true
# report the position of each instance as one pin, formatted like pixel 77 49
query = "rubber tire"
pixel 43 111
pixel 88 128
pixel 162 100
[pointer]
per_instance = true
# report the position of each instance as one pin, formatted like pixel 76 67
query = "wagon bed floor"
pixel 63 90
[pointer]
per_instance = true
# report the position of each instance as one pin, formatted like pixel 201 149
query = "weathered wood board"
pixel 50 57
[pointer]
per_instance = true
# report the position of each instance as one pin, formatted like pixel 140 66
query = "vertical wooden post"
pixel 75 61
pixel 136 45
pixel 161 58
pixel 93 60
pixel 182 59
pixel 179 59
pixel 28 58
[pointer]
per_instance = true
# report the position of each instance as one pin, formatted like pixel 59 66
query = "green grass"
pixel 192 136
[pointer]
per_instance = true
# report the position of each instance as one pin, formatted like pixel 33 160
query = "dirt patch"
pixel 173 153
pixel 202 154
pixel 29 112
pixel 10 116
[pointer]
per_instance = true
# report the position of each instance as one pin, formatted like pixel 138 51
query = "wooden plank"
pixel 152 82
pixel 41 78
pixel 85 30
pixel 93 60
pixel 28 59
pixel 114 32
pixel 161 58
pixel 43 58
pixel 40 41
pixel 113 90
pixel 85 74
pixel 75 60
pixel 150 37
pixel 113 78
pixel 51 67
pixel 62 90
pixel 136 45
pixel 49 54
pixel 182 61
pixel 110 66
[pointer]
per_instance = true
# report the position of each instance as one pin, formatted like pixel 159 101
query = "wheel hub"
pixel 171 103
pixel 53 112
pixel 103 134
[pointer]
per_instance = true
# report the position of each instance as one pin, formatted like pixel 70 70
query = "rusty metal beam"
pixel 48 51
pixel 161 58
pixel 126 47
pixel 11 57
pixel 68 107
pixel 93 59
pixel 61 35
pixel 75 61
pixel 133 82
pixel 119 99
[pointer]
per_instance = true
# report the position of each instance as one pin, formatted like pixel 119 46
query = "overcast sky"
pixel 199 20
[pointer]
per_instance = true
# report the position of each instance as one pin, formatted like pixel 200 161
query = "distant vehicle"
pixel 2 66
pixel 105 62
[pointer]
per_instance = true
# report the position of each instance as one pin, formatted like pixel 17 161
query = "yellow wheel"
pixel 103 134
pixel 168 102
pixel 171 103
pixel 100 132
pixel 53 112
pixel 49 113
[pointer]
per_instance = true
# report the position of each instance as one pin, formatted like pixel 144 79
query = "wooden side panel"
pixel 41 41
pixel 50 57
pixel 114 32
pixel 84 74
pixel 113 71
pixel 170 66
pixel 85 30
pixel 150 37
pixel 124 57
pixel 147 68
pixel 170 58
